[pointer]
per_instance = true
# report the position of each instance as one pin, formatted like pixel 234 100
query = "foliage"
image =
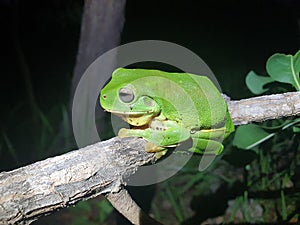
pixel 281 68
pixel 257 180
pixel 276 143
pixel 91 212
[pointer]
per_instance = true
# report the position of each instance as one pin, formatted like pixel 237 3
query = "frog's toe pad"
pixel 158 150
pixel 160 153
pixel 150 147
pixel 123 133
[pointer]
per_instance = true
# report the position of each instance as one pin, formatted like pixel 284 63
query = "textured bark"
pixel 40 188
pixel 124 204
pixel 264 108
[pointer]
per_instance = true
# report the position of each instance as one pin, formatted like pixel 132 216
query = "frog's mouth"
pixel 134 118
pixel 120 113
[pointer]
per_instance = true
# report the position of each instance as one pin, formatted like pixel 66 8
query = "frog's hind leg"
pixel 206 146
pixel 208 141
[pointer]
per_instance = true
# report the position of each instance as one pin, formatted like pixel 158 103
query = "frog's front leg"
pixel 160 134
pixel 208 141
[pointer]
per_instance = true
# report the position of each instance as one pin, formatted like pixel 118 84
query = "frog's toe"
pixel 123 132
pixel 160 153
pixel 158 150
pixel 150 147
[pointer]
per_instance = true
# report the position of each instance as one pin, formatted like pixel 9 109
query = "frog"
pixel 168 108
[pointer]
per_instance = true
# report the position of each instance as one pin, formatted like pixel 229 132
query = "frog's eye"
pixel 126 94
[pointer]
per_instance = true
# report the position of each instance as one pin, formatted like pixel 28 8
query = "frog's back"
pixel 195 98
pixel 205 99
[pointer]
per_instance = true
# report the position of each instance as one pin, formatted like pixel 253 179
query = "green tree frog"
pixel 167 109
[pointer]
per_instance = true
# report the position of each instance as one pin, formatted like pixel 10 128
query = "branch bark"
pixel 123 202
pixel 40 188
pixel 265 107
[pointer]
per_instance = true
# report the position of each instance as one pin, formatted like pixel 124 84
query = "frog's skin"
pixel 168 108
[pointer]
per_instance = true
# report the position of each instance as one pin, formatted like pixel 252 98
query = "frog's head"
pixel 125 98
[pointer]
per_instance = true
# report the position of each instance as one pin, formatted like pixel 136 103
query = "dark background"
pixel 41 38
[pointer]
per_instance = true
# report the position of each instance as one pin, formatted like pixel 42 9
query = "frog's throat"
pixel 135 118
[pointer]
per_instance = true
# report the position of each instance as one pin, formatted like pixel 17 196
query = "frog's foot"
pixel 158 150
pixel 123 133
pixel 150 147
pixel 160 154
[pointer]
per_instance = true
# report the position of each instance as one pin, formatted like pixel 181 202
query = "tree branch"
pixel 40 188
pixel 45 186
pixel 123 202
pixel 265 107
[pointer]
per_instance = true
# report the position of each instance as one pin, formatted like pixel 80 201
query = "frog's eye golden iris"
pixel 126 95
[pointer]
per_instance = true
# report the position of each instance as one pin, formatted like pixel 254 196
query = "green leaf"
pixel 255 82
pixel 284 213
pixel 284 68
pixel 296 129
pixel 248 136
pixel 273 128
pixel 297 62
